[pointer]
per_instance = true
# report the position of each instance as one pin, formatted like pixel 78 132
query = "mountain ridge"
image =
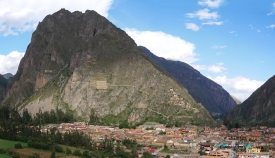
pixel 259 108
pixel 202 89
pixel 7 75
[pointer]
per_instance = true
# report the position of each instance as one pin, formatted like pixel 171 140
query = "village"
pixel 190 141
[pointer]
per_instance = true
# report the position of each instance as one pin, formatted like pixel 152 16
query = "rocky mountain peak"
pixel 63 39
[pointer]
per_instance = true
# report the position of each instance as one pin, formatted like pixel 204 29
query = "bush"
pixel 58 148
pixel 202 153
pixel 77 152
pixel 86 154
pixel 18 146
pixel 14 154
pixel 68 151
pixel 35 155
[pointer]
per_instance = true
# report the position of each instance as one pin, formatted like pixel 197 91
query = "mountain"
pixel 3 86
pixel 236 100
pixel 81 62
pixel 259 108
pixel 211 95
pixel 8 75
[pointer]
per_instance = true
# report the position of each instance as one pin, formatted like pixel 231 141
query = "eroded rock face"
pixel 259 108
pixel 81 61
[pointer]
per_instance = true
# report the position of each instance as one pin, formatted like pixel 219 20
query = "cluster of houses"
pixel 189 141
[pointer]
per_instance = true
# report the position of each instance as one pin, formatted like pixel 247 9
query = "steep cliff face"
pixel 259 108
pixel 60 40
pixel 80 61
pixel 212 96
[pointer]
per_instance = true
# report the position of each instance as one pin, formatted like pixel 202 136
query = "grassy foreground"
pixel 7 144
pixel 27 152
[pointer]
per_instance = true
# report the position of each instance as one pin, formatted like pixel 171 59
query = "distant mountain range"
pixel 205 91
pixel 258 109
pixel 8 75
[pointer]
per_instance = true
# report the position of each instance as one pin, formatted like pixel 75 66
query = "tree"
pixel 26 118
pixel 94 120
pixel 18 146
pixel 147 154
pixel 167 156
pixel 165 147
pixel 123 154
pixel 134 151
pixel 124 124
pixel 178 123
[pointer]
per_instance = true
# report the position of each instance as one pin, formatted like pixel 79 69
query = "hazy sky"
pixel 229 41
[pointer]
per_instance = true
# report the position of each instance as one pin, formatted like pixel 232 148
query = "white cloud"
pixel 192 26
pixel 219 47
pixel 239 86
pixel 20 16
pixel 218 68
pixel 9 63
pixel 251 26
pixel 199 67
pixel 258 30
pixel 212 23
pixel 211 3
pixel 232 32
pixel 203 14
pixel 164 45
pixel 268 14
pixel 219 53
pixel 271 26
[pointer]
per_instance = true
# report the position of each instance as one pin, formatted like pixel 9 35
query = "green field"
pixel 4 156
pixel 7 144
